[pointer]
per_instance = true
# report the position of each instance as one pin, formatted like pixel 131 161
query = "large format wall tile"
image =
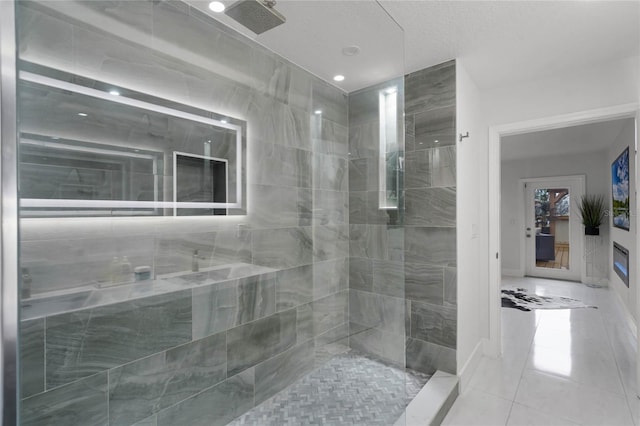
pixel 330 242
pixel 331 342
pixel 368 241
pixel 429 357
pixel 85 342
pixel 149 421
pixel 360 274
pixel 430 88
pixel 281 166
pixel 377 311
pixel 304 323
pixel 417 170
pixel 435 324
pixel 330 312
pixel 283 248
pixel 330 277
pixel 364 140
pixel 388 278
pixel 330 207
pixel 279 207
pixel 142 388
pixel 259 340
pixel 435 128
pixel 277 373
pixel 436 246
pixel 430 207
pixel 330 172
pixel 424 283
pixel 229 304
pixel 83 402
pixel 217 405
pixel 378 343
pixel 294 287
pixel 31 357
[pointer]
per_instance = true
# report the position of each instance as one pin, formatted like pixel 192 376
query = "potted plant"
pixel 592 211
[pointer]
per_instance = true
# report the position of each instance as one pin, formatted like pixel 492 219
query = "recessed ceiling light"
pixel 114 92
pixel 83 114
pixel 350 50
pixel 216 6
pixel 338 77
pixel 317 112
pixel 436 141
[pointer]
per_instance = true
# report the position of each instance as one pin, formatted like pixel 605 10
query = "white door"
pixel 553 230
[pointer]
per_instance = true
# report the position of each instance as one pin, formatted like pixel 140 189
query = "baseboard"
pixel 512 273
pixel 631 323
pixel 466 372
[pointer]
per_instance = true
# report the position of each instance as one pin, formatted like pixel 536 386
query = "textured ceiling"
pixel 501 42
pixel 565 141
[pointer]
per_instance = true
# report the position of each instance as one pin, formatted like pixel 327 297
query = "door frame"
pixel 496 132
pixel 522 210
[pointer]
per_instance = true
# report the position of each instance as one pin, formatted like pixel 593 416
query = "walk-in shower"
pixel 211 234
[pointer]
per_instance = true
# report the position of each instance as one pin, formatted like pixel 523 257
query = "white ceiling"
pixel 501 42
pixel 565 141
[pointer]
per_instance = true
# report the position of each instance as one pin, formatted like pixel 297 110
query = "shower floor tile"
pixel 350 389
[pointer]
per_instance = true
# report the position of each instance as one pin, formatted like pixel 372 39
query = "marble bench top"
pixel 76 299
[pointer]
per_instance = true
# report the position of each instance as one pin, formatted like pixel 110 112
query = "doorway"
pixel 496 252
pixel 552 237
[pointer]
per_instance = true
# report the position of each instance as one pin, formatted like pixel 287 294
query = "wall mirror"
pixel 88 148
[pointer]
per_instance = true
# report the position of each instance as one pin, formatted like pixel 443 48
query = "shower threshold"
pixel 350 389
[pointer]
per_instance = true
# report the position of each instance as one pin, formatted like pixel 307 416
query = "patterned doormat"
pixel 520 298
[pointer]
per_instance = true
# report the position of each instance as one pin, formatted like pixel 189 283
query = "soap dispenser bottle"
pixel 125 269
pixel 114 270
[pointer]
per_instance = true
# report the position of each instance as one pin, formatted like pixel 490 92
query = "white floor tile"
pixel 589 367
pixel 526 416
pixel 559 367
pixel 478 408
pixel 579 403
pixel 497 377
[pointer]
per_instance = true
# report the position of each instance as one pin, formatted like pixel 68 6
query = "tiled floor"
pixel 349 390
pixel 559 367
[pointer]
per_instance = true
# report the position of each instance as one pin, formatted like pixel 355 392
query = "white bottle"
pixel 114 270
pixel 125 270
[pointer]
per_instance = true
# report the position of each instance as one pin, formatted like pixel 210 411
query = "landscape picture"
pixel 620 190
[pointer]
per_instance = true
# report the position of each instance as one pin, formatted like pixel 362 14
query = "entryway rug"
pixel 520 298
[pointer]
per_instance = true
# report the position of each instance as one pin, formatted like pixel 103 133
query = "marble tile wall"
pixel 402 269
pixel 207 355
pixel 430 219
pixel 376 241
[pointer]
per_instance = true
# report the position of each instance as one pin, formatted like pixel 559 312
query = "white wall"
pixel 472 222
pixel 625 238
pixel 591 164
pixel 613 83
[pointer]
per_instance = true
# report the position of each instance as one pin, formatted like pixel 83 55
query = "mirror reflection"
pixel 92 149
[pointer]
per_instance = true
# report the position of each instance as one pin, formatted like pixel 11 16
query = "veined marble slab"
pixel 91 296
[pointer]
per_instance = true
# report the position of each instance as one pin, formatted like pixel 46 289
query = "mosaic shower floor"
pixel 350 389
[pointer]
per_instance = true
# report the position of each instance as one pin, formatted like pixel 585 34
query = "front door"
pixel 553 230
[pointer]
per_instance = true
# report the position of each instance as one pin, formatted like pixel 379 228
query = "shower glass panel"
pixel 209 233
